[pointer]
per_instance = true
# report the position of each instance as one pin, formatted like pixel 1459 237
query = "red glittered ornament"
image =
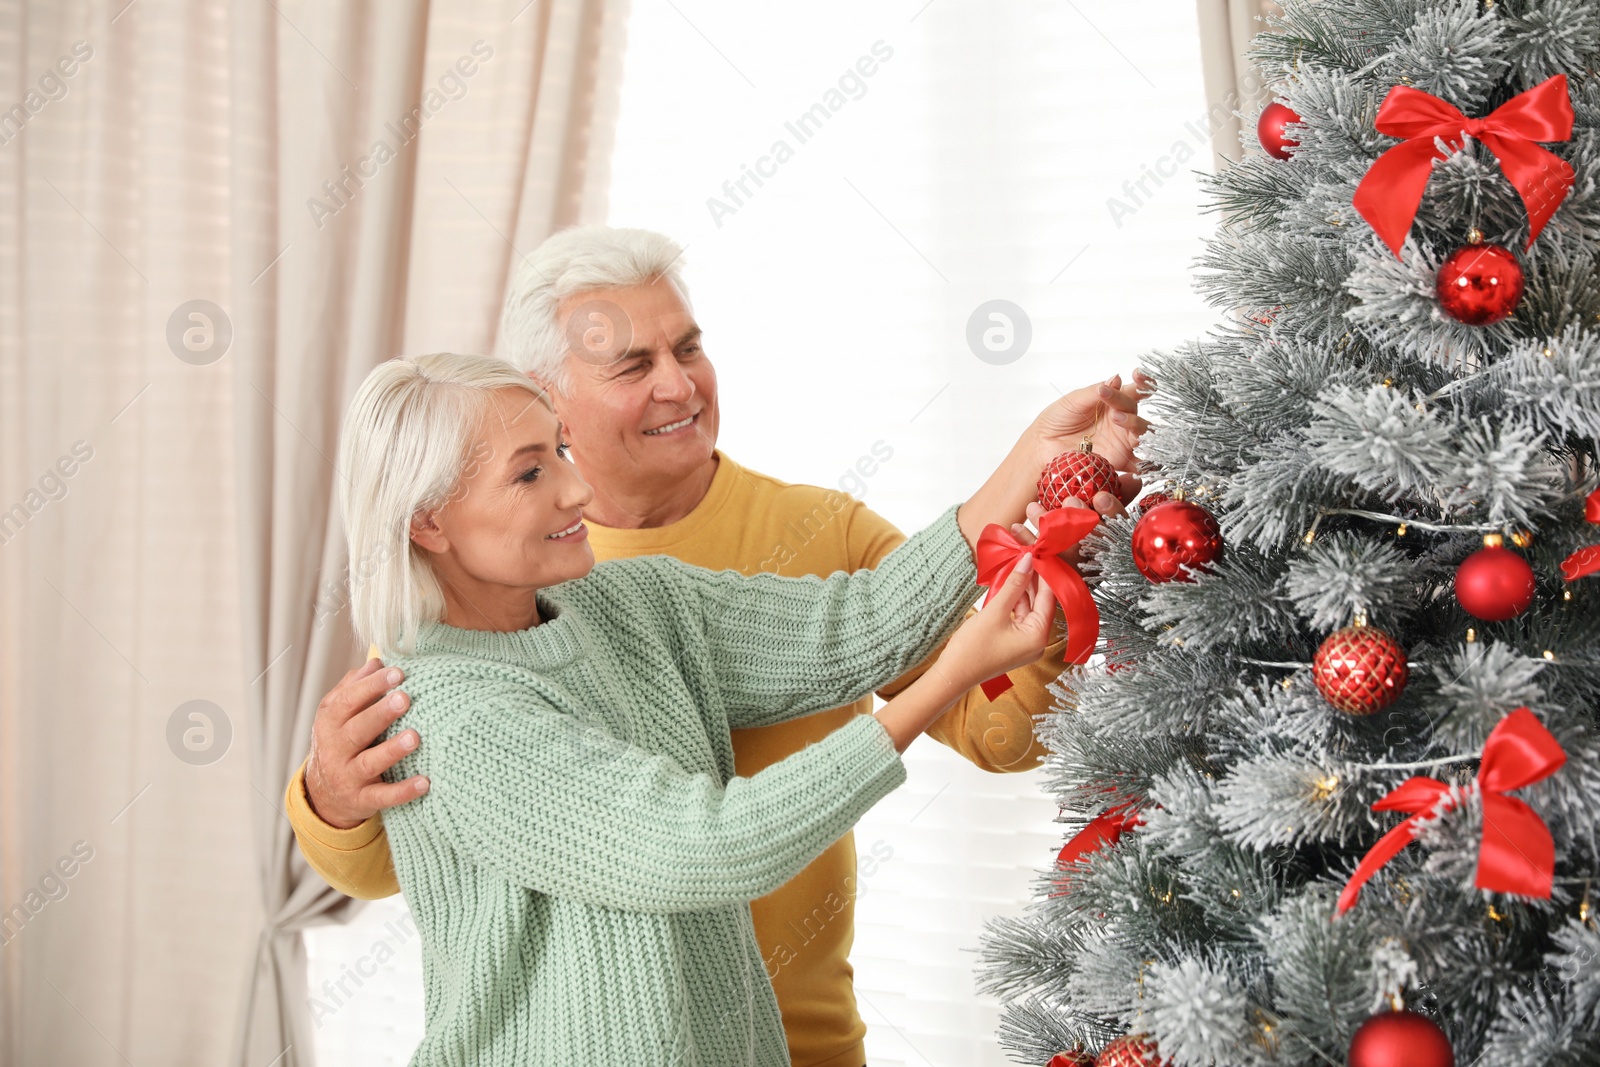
pixel 1134 1050
pixel 1076 475
pixel 1360 669
pixel 1269 128
pixel 1400 1039
pixel 1479 284
pixel 1150 501
pixel 1172 536
pixel 1494 583
pixel 1267 317
pixel 1073 1058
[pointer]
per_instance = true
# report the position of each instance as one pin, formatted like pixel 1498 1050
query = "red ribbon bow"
pixel 1104 829
pixel 1585 561
pixel 998 554
pixel 1516 854
pixel 1391 191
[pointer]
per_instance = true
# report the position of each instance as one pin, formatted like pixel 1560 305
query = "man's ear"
pixel 549 388
pixel 542 384
pixel 425 532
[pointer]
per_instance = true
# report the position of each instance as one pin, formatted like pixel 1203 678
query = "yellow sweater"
pixel 749 522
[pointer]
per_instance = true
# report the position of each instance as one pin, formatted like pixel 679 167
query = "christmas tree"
pixel 1394 430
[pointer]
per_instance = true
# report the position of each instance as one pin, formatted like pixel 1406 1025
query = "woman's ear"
pixel 425 532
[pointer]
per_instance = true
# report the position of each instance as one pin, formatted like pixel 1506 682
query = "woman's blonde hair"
pixel 404 446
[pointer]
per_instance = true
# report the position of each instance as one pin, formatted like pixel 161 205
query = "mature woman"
pixel 582 866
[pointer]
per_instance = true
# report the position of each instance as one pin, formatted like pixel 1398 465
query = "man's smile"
pixel 673 427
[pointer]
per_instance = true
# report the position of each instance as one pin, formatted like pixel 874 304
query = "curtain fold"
pixel 458 136
pixel 324 270
pixel 210 230
pixel 1232 83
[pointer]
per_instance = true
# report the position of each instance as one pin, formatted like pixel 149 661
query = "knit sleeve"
pixel 564 808
pixel 995 735
pixel 784 647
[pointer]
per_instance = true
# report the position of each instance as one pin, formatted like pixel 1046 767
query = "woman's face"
pixel 513 524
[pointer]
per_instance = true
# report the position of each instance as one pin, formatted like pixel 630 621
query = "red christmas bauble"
pixel 1479 284
pixel 1134 1050
pixel 1400 1039
pixel 1074 1058
pixel 1360 669
pixel 1494 584
pixel 1076 476
pixel 1173 535
pixel 1269 128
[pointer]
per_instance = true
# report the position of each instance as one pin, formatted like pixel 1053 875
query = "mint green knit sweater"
pixel 581 868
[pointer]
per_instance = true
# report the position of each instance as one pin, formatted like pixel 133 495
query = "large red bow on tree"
pixel 1104 829
pixel 1389 194
pixel 1516 854
pixel 1585 561
pixel 998 553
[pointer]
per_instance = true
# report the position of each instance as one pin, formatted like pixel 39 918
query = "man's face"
pixel 642 405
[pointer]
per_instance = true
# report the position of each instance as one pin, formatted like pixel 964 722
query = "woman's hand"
pixel 1107 414
pixel 1012 629
pixel 1106 504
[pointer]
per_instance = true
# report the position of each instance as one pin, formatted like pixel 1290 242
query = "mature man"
pixel 600 316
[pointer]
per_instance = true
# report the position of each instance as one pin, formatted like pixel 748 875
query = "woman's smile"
pixel 576 532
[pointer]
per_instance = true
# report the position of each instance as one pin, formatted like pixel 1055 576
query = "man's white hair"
pixel 580 260
pixel 407 437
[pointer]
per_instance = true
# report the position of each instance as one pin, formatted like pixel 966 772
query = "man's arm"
pixel 355 862
pixel 996 735
pixel 334 799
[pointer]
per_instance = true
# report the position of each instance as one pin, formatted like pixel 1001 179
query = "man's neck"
pixel 646 506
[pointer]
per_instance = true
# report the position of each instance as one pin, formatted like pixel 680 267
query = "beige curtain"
pixel 1232 83
pixel 214 218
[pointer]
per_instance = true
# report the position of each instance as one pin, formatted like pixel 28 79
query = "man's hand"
pixel 344 773
pixel 1107 414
